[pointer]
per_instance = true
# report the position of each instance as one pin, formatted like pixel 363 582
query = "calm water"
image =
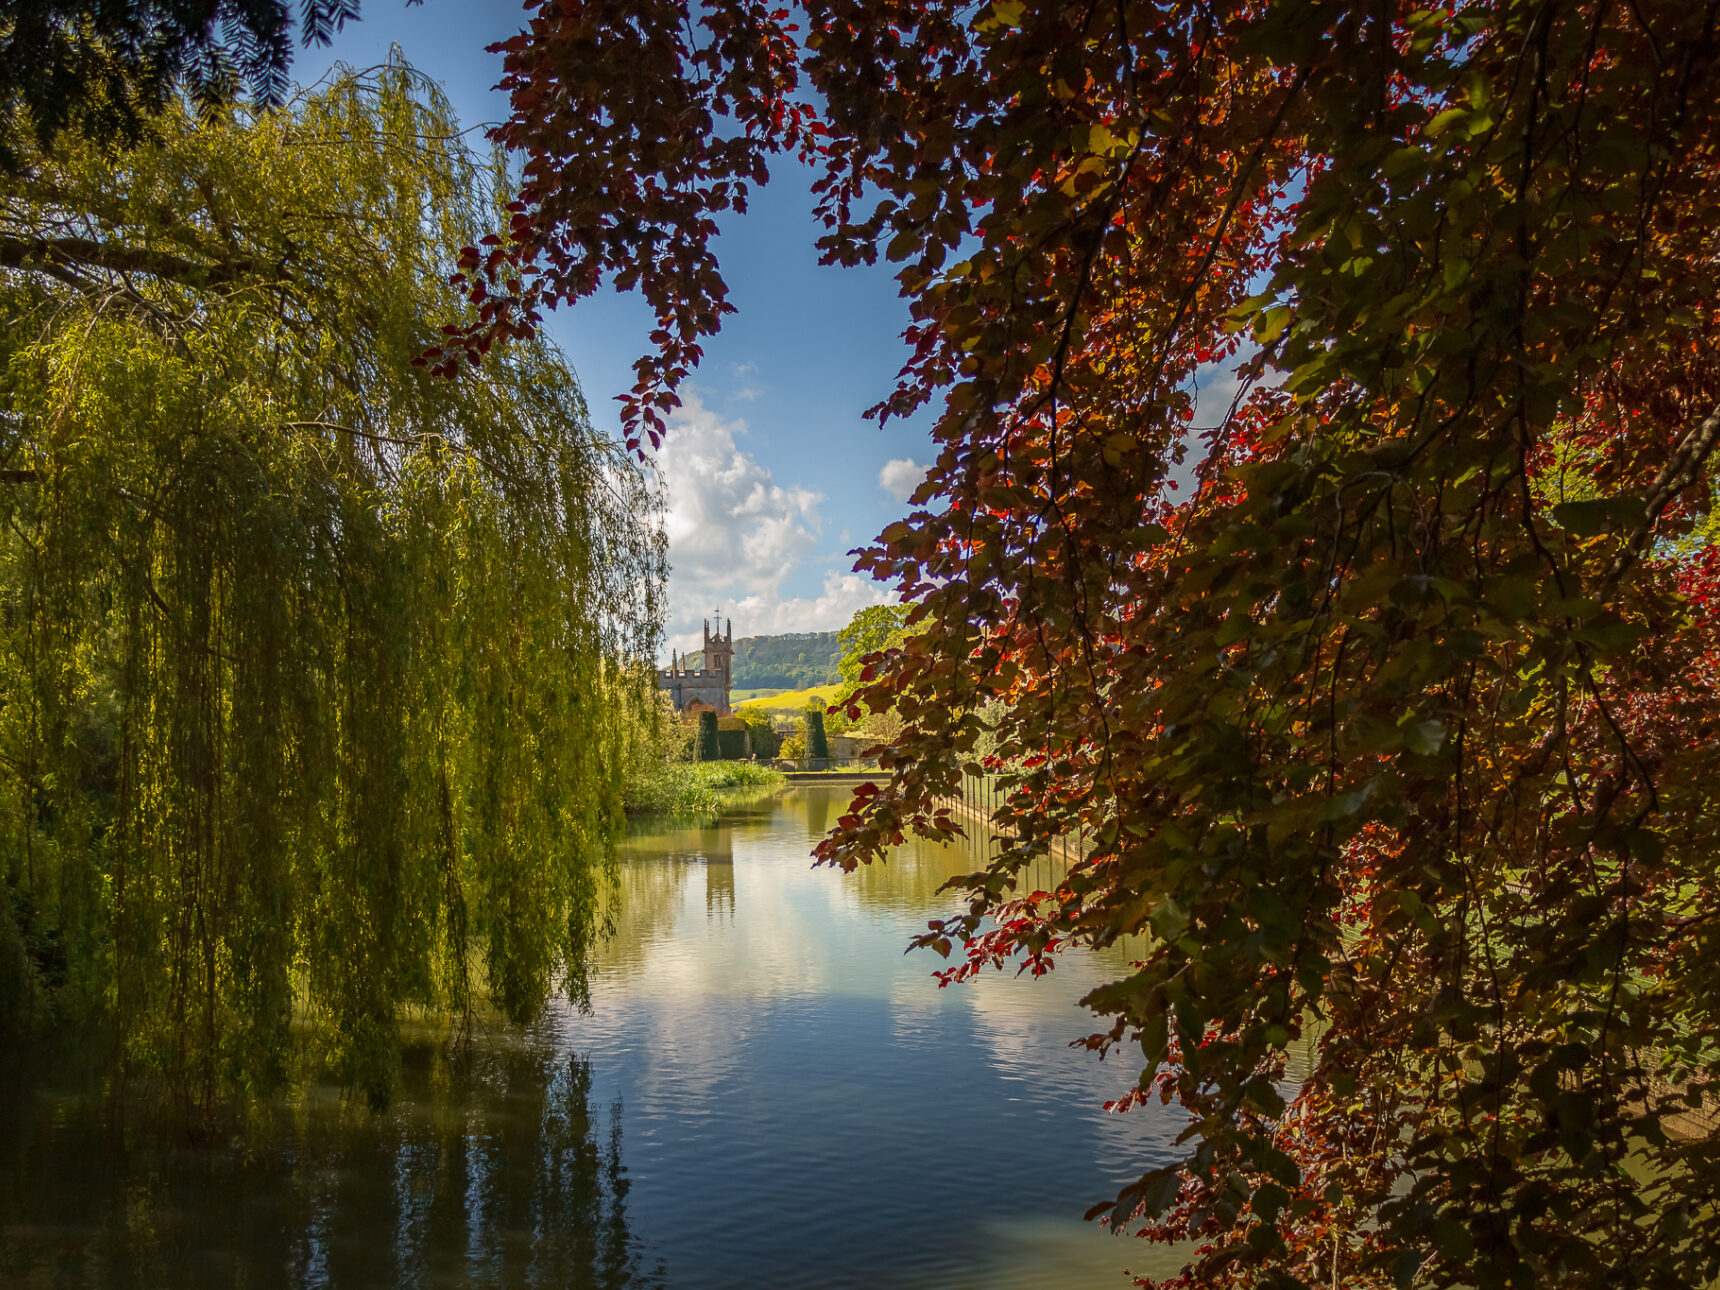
pixel 768 1093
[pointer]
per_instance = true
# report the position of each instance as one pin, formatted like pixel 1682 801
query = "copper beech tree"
pixel 1395 730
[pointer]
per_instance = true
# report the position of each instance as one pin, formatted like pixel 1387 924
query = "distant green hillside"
pixel 790 662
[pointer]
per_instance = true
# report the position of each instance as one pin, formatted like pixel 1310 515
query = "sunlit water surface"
pixel 767 1093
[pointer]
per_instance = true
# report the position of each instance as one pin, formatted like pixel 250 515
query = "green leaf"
pixel 1646 845
pixel 1453 1239
pixel 1268 1200
pixel 1169 919
pixel 902 245
pixel 1610 637
pixel 1400 160
pixel 1259 1094
pixel 1236 626
pixel 1598 515
pixel 1155 1039
pixel 1424 738
pixel 1160 1188
pixel 1345 805
pixel 1271 324
pixel 1445 122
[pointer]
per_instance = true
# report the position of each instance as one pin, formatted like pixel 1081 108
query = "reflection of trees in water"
pixel 651 887
pixel 659 854
pixel 911 879
pixel 648 900
pixel 818 811
pixel 655 863
pixel 500 1173
pixel 720 888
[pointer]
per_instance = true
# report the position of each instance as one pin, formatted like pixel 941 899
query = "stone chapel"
pixel 707 686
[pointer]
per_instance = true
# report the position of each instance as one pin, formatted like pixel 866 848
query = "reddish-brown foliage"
pixel 1397 732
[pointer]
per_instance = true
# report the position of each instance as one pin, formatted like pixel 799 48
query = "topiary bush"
pixel 817 746
pixel 760 731
pixel 707 747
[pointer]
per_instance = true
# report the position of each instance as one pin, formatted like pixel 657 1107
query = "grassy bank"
pixel 699 790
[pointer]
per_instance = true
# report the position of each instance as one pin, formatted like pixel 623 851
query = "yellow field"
pixel 794 702
pixel 738 697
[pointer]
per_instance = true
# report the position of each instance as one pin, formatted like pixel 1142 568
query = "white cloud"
pixel 745 389
pixel 728 520
pixel 1215 389
pixel 900 477
pixel 844 594
pixel 1216 386
pixel 736 535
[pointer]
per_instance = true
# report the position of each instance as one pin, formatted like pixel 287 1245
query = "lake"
pixel 766 1093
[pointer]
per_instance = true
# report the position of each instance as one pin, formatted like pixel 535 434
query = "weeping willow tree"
pixel 320 674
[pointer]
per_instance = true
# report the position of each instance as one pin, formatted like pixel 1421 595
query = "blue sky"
pixel 772 473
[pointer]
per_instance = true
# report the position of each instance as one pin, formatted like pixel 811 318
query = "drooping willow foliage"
pixel 319 675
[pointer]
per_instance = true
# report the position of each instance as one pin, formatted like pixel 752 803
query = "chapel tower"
pixel 720 652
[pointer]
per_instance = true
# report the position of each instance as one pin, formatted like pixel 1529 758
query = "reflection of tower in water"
pixel 716 849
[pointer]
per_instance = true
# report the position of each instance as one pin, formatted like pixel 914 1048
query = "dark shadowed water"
pixel 768 1093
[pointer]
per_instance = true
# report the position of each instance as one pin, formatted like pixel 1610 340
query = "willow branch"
pixel 61 253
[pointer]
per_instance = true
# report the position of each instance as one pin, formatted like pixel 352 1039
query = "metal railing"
pixel 979 797
pixel 824 763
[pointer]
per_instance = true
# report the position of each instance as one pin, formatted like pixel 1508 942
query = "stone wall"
pixel 705 685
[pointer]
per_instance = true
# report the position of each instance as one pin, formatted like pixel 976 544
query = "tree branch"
pixel 60 253
pixel 1682 471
